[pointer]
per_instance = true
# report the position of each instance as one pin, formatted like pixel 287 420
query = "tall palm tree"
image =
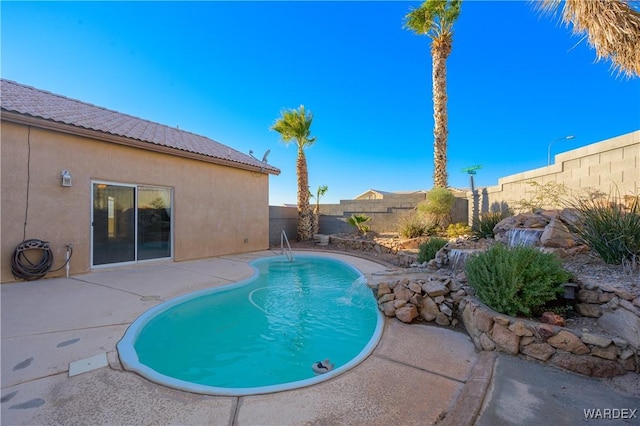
pixel 612 27
pixel 435 18
pixel 295 125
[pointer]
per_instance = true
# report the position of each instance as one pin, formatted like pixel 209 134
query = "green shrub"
pixel 608 227
pixel 438 205
pixel 515 281
pixel 484 227
pixel 359 220
pixel 456 230
pixel 413 228
pixel 428 249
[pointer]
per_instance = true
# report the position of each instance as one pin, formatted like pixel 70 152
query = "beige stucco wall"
pixel 611 166
pixel 215 207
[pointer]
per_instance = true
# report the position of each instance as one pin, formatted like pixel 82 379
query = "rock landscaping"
pixel 447 300
pixel 600 337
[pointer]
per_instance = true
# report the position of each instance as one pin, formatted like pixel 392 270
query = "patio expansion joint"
pixel 204 274
pixel 7 338
pixel 108 287
pixel 35 379
pixel 235 411
pixel 436 373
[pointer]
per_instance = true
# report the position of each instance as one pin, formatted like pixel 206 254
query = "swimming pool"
pixel 259 335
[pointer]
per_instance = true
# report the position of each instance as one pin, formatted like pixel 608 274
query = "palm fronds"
pixel 612 28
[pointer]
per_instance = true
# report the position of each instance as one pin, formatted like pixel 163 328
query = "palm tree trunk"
pixel 440 50
pixel 305 216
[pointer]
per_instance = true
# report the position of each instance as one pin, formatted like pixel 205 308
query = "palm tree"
pixel 295 125
pixel 322 189
pixel 435 18
pixel 611 27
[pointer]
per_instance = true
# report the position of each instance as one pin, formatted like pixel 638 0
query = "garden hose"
pixel 24 269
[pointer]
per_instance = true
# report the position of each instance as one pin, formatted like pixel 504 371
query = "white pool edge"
pixel 130 362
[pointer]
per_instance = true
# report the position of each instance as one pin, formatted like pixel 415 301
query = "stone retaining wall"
pixel 405 250
pixel 445 300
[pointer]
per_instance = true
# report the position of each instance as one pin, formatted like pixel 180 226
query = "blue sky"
pixel 225 70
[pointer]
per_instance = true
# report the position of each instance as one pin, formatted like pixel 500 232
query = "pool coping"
pixel 130 361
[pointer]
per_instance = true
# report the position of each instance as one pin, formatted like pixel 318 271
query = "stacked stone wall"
pixel 447 301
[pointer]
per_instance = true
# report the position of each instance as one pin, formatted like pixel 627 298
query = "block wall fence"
pixel 609 166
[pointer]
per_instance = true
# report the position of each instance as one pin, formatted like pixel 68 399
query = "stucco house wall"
pixel 611 166
pixel 217 208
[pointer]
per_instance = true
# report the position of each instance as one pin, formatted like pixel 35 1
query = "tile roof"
pixel 29 101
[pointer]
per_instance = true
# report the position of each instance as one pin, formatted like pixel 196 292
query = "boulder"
pixel 539 351
pixel 407 313
pixel 504 339
pixel 609 352
pixel 520 329
pixel 553 319
pixel 623 323
pixel 587 365
pixel 446 310
pixel 388 309
pixel 556 234
pixel 442 319
pixel 596 340
pixel 486 342
pixel 569 342
pixel 588 296
pixel 434 289
pixel 402 292
pixel 588 310
pixel 383 288
pixel 429 309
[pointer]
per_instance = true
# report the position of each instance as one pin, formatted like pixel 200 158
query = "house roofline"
pixel 43 123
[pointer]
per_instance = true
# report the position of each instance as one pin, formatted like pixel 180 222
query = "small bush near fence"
pixel 456 230
pixel 483 228
pixel 515 281
pixel 414 228
pixel 428 249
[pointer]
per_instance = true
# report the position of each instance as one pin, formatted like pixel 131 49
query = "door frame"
pixel 135 188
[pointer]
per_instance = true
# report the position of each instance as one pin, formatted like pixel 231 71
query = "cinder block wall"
pixel 282 218
pixel 610 166
pixel 387 215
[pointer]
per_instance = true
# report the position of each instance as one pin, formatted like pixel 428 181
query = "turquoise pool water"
pixel 260 335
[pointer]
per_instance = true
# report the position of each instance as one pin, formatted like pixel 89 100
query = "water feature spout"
pixel 458 257
pixel 523 236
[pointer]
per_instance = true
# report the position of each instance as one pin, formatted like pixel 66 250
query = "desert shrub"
pixel 428 249
pixel 515 281
pixel 485 224
pixel 456 230
pixel 438 205
pixel 549 195
pixel 413 228
pixel 608 227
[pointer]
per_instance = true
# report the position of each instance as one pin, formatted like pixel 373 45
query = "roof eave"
pixel 43 123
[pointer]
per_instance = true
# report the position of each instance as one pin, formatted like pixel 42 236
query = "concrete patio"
pixel 416 374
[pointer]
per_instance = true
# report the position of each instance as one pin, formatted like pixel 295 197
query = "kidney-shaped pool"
pixel 260 335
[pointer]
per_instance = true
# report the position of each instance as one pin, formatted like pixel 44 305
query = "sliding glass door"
pixel 130 223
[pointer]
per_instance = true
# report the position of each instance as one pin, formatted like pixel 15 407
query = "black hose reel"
pixel 24 268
